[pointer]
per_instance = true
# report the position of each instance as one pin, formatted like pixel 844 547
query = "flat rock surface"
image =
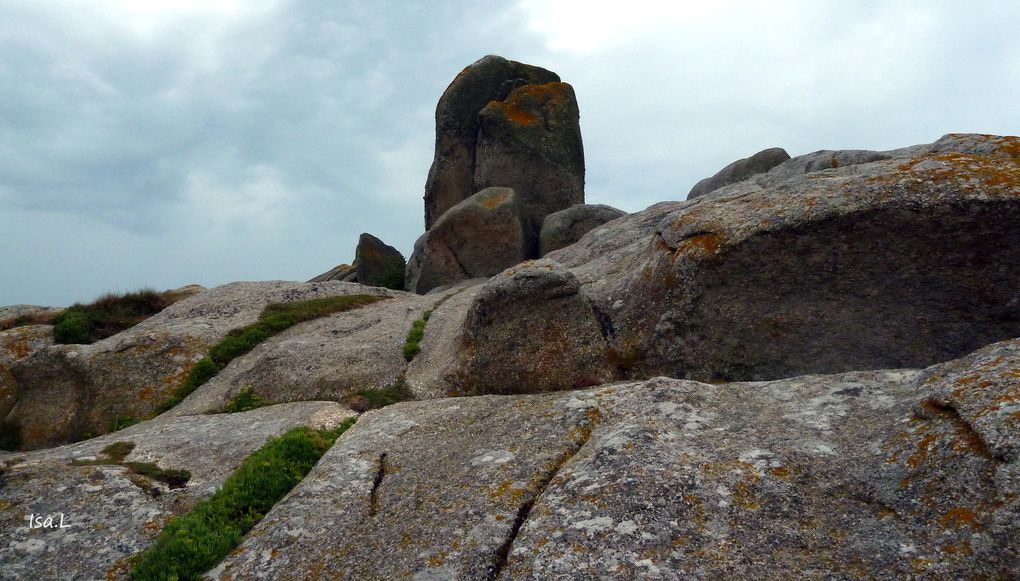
pixel 814 476
pixel 107 510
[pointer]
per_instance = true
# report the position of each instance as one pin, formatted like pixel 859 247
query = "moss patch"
pixel 275 318
pixel 114 454
pixel 370 399
pixel 193 543
pixel 412 345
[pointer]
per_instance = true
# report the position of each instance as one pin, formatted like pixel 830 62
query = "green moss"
pixel 117 451
pixel 114 454
pixel 193 543
pixel 412 345
pixel 244 401
pixel 10 435
pixel 109 315
pixel 275 318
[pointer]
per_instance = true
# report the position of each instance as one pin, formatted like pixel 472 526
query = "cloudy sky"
pixel 157 143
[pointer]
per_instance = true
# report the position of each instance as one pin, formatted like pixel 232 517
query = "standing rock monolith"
pixel 378 263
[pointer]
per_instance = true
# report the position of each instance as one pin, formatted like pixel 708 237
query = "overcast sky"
pixel 158 143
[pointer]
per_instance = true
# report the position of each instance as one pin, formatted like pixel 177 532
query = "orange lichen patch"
pixel 923 447
pixel 524 105
pixel 119 570
pixel 491 201
pixel 700 245
pixel 810 201
pixel 961 517
pixel 961 548
pixel 780 471
pixel 886 512
pixel 982 170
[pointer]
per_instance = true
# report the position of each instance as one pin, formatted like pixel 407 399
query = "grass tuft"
pixel 193 543
pixel 412 345
pixel 275 318
pixel 109 315
pixel 244 401
pixel 370 399
pixel 114 455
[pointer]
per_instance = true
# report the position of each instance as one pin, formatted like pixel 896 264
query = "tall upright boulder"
pixel 451 178
pixel 378 263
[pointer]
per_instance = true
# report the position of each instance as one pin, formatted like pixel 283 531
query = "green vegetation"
pixel 414 337
pixel 244 401
pixel 370 399
pixel 121 422
pixel 109 315
pixel 114 454
pixel 10 435
pixel 392 277
pixel 193 543
pixel 275 318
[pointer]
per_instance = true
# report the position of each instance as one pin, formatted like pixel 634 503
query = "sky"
pixel 159 143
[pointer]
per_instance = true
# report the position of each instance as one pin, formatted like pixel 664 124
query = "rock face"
pixel 566 227
pixel 452 176
pixel 481 236
pixel 530 330
pixel 67 392
pixel 375 264
pixel 740 170
pixel 895 263
pixel 15 345
pixel 111 513
pixel 668 479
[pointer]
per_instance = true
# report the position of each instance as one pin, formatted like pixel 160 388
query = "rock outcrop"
pixel 375 264
pixel 566 227
pixel 68 392
pixel 452 176
pixel 479 237
pixel 15 345
pixel 742 169
pixel 864 472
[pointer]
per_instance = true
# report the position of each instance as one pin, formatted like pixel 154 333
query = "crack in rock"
pixel 374 495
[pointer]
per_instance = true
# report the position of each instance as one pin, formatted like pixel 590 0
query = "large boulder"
pixel 531 142
pixel 566 227
pixel 866 472
pixel 740 170
pixel 452 175
pixel 110 512
pixel 379 264
pixel 900 262
pixel 479 237
pixel 69 392
pixel 15 345
pixel 526 330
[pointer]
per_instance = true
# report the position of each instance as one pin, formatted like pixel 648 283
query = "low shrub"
pixel 392 277
pixel 369 399
pixel 194 542
pixel 244 401
pixel 109 315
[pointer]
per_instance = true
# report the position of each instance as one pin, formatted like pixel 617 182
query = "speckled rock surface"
pixel 111 513
pixel 740 170
pixel 15 345
pixel 900 262
pixel 479 237
pixel 66 392
pixel 850 475
pixel 327 359
pixel 566 227
pixel 452 175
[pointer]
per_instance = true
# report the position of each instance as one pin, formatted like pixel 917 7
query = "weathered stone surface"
pixel 526 330
pixel 325 359
pixel 340 272
pixel 10 313
pixel 816 476
pixel 895 263
pixel 566 227
pixel 740 170
pixel 67 392
pixel 452 175
pixel 15 345
pixel 479 237
pixel 112 513
pixel 817 161
pixel 379 264
pixel 531 142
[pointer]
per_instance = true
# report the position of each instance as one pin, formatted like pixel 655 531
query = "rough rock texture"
pixel 566 227
pixel 740 170
pixel 325 359
pixel 12 312
pixel 341 272
pixel 531 142
pixel 428 373
pixel 851 475
pixel 527 330
pixel 113 513
pixel 15 345
pixel 479 237
pixel 822 160
pixel 66 392
pixel 379 264
pixel 452 175
pixel 896 263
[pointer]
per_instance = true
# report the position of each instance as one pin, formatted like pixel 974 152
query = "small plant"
pixel 275 318
pixel 244 401
pixel 392 277
pixel 412 345
pixel 109 315
pixel 114 455
pixel 370 399
pixel 10 435
pixel 121 422
pixel 194 542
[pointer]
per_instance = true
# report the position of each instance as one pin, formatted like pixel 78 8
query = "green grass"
pixel 244 401
pixel 121 422
pixel 10 435
pixel 392 277
pixel 194 542
pixel 109 315
pixel 114 454
pixel 275 318
pixel 370 399
pixel 412 345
